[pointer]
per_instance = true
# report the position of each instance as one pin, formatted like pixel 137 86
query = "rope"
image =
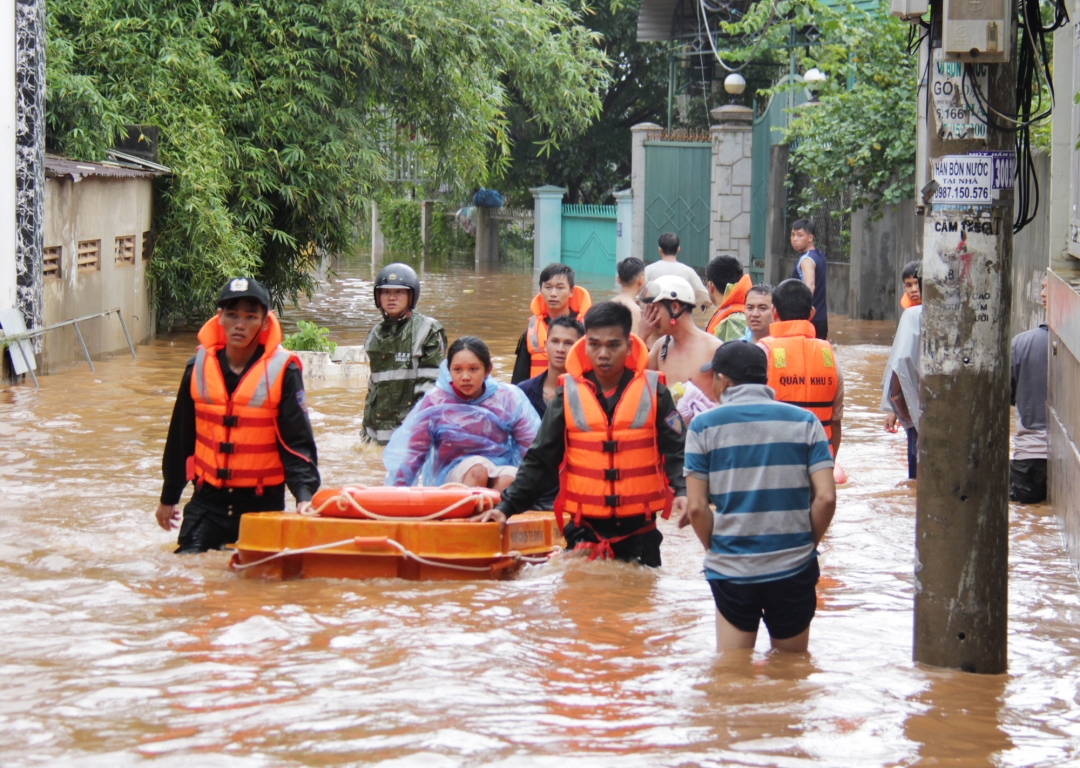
pixel 513 555
pixel 344 500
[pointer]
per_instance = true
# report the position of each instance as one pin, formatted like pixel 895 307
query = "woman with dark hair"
pixel 469 429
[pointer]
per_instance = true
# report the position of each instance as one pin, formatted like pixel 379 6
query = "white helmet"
pixel 667 288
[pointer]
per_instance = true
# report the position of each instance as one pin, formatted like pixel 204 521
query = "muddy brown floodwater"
pixel 115 651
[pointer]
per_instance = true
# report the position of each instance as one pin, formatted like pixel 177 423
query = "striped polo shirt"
pixel 757 455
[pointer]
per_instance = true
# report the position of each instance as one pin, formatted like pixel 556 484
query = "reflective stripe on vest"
pixel 536 344
pixel 592 485
pixel 414 371
pixel 802 372
pixel 382 435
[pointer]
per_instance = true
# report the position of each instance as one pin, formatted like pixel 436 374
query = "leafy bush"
pixel 310 338
pixel 400 222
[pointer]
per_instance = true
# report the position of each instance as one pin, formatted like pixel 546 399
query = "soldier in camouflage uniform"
pixel 404 351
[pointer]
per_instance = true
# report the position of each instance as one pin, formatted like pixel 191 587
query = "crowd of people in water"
pixel 617 412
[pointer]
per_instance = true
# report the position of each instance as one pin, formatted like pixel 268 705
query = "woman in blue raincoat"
pixel 469 429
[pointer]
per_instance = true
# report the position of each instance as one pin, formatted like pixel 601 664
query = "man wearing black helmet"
pixel 404 351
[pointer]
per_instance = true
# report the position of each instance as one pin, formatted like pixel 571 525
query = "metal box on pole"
pixel 977 30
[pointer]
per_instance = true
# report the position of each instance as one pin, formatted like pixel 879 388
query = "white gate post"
pixel 732 142
pixel 624 220
pixel 547 225
pixel 638 134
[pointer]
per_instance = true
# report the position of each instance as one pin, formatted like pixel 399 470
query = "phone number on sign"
pixel 962 193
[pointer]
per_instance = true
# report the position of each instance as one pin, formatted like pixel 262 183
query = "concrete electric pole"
pixel 968 163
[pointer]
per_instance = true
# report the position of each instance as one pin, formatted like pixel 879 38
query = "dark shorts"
pixel 821 326
pixel 787 605
pixel 1027 480
pixel 643 548
pixel 205 527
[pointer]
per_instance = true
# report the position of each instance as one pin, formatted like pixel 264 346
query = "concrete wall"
pixel 1063 404
pixel 837 286
pixel 96 208
pixel 1031 253
pixel 879 251
pixel 732 144
pixel 776 236
pixel 7 154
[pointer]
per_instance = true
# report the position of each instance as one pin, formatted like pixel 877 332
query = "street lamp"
pixel 734 84
pixel 813 78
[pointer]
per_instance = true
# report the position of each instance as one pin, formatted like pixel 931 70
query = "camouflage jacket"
pixel 404 357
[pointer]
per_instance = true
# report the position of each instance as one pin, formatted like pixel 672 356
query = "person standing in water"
pixel 630 275
pixel 901 400
pixel 802 368
pixel 810 267
pixel 404 351
pixel 563 333
pixel 469 429
pixel 239 426
pixel 680 353
pixel 558 296
pixel 728 287
pixel 614 431
pixel 1027 470
pixel 766 468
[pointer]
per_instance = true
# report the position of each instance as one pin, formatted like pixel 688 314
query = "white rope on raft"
pixel 513 555
pixel 344 500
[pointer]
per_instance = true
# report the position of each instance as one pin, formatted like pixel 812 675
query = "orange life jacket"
pixel 906 303
pixel 735 301
pixel 611 469
pixel 236 437
pixel 536 335
pixel 802 370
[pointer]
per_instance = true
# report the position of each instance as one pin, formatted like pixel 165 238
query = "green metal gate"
pixel 588 238
pixel 677 193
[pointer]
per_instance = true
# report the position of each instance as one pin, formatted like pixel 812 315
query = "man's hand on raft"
pixel 168 516
pixel 303 507
pixel 491 516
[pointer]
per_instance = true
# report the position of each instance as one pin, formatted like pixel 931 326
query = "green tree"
pixel 278 117
pixel 596 161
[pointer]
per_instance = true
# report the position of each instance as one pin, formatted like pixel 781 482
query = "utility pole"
pixel 962 519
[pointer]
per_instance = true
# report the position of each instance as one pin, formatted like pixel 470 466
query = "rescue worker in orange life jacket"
pixel 558 296
pixel 239 427
pixel 613 429
pixel 802 368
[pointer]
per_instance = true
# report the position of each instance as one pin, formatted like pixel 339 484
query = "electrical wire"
pixel 703 11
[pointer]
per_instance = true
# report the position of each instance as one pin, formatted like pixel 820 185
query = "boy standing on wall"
pixel 810 268
pixel 404 352
pixel 558 296
pixel 239 427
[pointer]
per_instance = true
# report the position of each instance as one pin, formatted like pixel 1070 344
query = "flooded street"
pixel 115 650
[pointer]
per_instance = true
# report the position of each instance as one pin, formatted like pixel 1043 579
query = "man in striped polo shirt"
pixel 766 467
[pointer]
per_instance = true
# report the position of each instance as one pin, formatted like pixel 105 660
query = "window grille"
pixel 51 262
pixel 125 250
pixel 89 256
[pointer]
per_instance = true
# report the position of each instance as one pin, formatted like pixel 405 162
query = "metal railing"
pixel 17 338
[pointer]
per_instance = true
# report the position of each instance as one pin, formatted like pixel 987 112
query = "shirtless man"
pixel 630 275
pixel 681 353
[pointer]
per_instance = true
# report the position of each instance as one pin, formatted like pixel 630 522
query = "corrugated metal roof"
pixel 77 169
pixel 654 20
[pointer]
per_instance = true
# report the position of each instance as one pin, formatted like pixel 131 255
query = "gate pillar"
pixel 732 141
pixel 638 134
pixel 547 225
pixel 624 222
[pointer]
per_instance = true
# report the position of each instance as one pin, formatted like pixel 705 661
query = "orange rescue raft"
pixel 343 543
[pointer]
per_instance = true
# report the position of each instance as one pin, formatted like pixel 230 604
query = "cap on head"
pixel 740 361
pixel 398 275
pixel 245 288
pixel 667 288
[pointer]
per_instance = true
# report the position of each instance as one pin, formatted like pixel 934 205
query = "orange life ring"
pixel 380 502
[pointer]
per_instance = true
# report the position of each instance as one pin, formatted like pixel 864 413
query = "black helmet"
pixel 398 275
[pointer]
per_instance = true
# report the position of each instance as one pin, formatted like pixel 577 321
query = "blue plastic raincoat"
pixel 442 429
